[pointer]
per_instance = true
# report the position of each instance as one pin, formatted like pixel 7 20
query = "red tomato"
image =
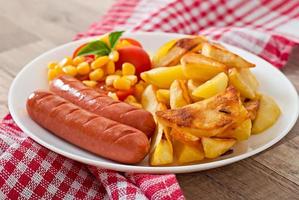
pixel 123 94
pixel 90 58
pixel 136 56
pixel 132 41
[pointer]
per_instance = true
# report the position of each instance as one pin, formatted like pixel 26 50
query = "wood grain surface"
pixel 29 28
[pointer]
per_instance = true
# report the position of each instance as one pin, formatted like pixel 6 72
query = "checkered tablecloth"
pixel 30 171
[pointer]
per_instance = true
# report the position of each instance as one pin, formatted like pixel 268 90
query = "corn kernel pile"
pixel 101 70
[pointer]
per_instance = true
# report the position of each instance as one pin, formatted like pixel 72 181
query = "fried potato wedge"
pixel 186 153
pixel 161 152
pixel 176 51
pixel 184 137
pixel 212 87
pixel 200 67
pixel 192 85
pixel 163 96
pixel 224 56
pixel 215 147
pixel 162 52
pixel 149 100
pixel 244 81
pixel 162 77
pixel 267 114
pixel 241 132
pixel 179 95
pixel 252 107
pixel 208 117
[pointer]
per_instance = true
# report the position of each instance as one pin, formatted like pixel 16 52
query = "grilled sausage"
pixel 76 92
pixel 87 130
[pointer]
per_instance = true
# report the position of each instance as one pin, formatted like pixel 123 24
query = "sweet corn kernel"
pixel 128 69
pixel 90 83
pixel 112 95
pixel 122 83
pixel 96 75
pixel 110 79
pixel 58 69
pixel 70 70
pixel 51 74
pixel 118 72
pixel 132 78
pixel 114 56
pixel 78 60
pixel 83 68
pixel 66 61
pixel 110 67
pixel 163 96
pixel 51 65
pixel 100 62
pixel 139 88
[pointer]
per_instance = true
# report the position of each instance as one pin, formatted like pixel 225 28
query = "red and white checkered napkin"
pixel 28 170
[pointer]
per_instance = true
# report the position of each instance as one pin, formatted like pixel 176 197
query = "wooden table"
pixel 29 28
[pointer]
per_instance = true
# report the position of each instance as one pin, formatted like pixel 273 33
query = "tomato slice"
pixel 132 41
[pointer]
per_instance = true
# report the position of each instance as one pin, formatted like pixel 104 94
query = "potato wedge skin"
pixel 200 67
pixel 241 132
pixel 215 147
pixel 179 95
pixel 243 80
pixel 208 117
pixel 149 100
pixel 212 87
pixel 186 153
pixel 162 77
pixel 177 50
pixel 224 56
pixel 267 114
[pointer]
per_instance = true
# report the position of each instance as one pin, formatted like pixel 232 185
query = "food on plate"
pixel 211 87
pixel 267 114
pixel 208 117
pixel 162 77
pixel 201 68
pixel 178 94
pixel 161 152
pixel 215 147
pixel 172 55
pixel 224 56
pixel 89 131
pixel 98 102
pixel 244 81
pixel 194 98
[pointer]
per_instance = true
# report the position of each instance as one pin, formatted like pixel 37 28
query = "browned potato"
pixel 267 114
pixel 179 96
pixel 186 153
pixel 244 81
pixel 176 51
pixel 241 132
pixel 201 68
pixel 252 107
pixel 208 117
pixel 184 137
pixel 215 147
pixel 224 56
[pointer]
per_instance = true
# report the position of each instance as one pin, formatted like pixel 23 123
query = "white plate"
pixel 272 82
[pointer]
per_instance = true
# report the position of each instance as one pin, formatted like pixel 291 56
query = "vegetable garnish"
pixel 100 48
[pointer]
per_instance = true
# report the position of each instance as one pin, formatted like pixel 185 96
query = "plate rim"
pixel 148 169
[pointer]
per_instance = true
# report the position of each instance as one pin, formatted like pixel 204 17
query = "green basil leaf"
pixel 96 47
pixel 114 37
